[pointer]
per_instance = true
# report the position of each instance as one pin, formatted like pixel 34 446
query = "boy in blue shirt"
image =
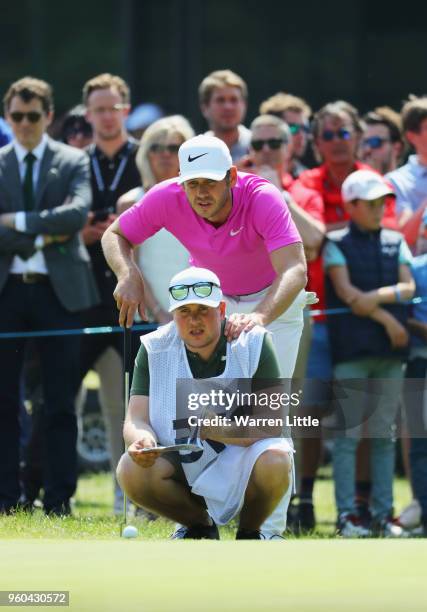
pixel 368 272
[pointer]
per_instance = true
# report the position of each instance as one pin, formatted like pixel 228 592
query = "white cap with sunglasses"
pixel 194 286
pixel 364 185
pixel 203 157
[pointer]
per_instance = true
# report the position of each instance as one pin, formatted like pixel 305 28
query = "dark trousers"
pixel 93 346
pixel 29 307
pixel 417 368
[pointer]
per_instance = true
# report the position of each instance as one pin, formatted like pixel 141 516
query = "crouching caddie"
pixel 232 474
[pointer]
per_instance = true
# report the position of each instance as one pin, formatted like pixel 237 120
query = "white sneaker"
pixel 275 536
pixel 410 517
pixel 349 526
pixel 389 528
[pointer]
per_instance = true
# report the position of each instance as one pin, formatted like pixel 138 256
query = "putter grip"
pixel 127 348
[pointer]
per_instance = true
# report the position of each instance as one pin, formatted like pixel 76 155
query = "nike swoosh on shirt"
pixel 191 159
pixel 235 232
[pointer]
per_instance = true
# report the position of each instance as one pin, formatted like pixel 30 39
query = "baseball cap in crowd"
pixel 203 157
pixel 194 286
pixel 364 185
pixel 142 116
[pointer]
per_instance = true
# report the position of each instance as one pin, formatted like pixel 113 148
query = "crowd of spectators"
pixel 356 187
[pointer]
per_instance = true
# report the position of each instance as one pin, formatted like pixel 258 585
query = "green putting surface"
pixel 306 575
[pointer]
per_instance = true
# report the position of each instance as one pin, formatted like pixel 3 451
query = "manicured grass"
pixel 93 517
pixel 85 555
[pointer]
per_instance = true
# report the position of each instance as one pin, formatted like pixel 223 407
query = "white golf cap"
pixel 203 157
pixel 189 277
pixel 364 185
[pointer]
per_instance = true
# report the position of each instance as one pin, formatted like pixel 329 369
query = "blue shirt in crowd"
pixel 5 133
pixel 410 184
pixel 419 311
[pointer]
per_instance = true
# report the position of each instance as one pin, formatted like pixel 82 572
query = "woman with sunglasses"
pixel 161 256
pixel 75 130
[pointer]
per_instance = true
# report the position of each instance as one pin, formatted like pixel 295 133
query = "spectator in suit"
pixel 45 283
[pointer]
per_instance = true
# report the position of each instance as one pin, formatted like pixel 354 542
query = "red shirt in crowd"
pixel 311 201
pixel 318 179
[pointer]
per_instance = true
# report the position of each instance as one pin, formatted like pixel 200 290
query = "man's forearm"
pixel 231 434
pixel 382 316
pixel 137 430
pixel 402 291
pixel 282 293
pixel 16 243
pixel 118 252
pixel 311 230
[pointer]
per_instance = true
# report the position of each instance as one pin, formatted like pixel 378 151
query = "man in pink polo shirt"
pixel 235 224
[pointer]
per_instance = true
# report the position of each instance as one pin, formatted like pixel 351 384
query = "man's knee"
pixel 272 470
pixel 140 483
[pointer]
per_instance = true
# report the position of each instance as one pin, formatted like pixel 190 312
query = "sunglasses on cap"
pixel 296 128
pixel 272 143
pixel 341 134
pixel 32 116
pixel 202 290
pixel 159 148
pixel 374 142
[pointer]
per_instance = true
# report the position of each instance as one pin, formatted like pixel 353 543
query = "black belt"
pixel 30 278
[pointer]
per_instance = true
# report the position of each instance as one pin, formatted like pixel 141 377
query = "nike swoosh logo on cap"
pixel 191 159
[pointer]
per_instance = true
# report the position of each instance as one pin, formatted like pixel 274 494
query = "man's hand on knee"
pixel 143 459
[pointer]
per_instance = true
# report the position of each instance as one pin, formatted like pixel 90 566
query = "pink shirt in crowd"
pixel 237 251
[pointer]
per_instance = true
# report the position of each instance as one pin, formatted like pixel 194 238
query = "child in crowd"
pixel 368 271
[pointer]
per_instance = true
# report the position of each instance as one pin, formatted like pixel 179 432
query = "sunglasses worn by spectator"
pixel 202 290
pixel 32 116
pixel 374 142
pixel 75 131
pixel 159 148
pixel 101 110
pixel 342 134
pixel 272 143
pixel 296 128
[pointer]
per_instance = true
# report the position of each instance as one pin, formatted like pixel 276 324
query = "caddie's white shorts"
pixel 286 330
pixel 286 334
pixel 223 483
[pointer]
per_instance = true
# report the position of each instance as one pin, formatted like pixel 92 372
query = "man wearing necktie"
pixel 45 283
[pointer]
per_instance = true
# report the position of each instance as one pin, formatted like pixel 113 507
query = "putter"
pixel 127 351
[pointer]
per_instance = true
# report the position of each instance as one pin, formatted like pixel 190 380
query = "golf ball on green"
pixel 130 532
